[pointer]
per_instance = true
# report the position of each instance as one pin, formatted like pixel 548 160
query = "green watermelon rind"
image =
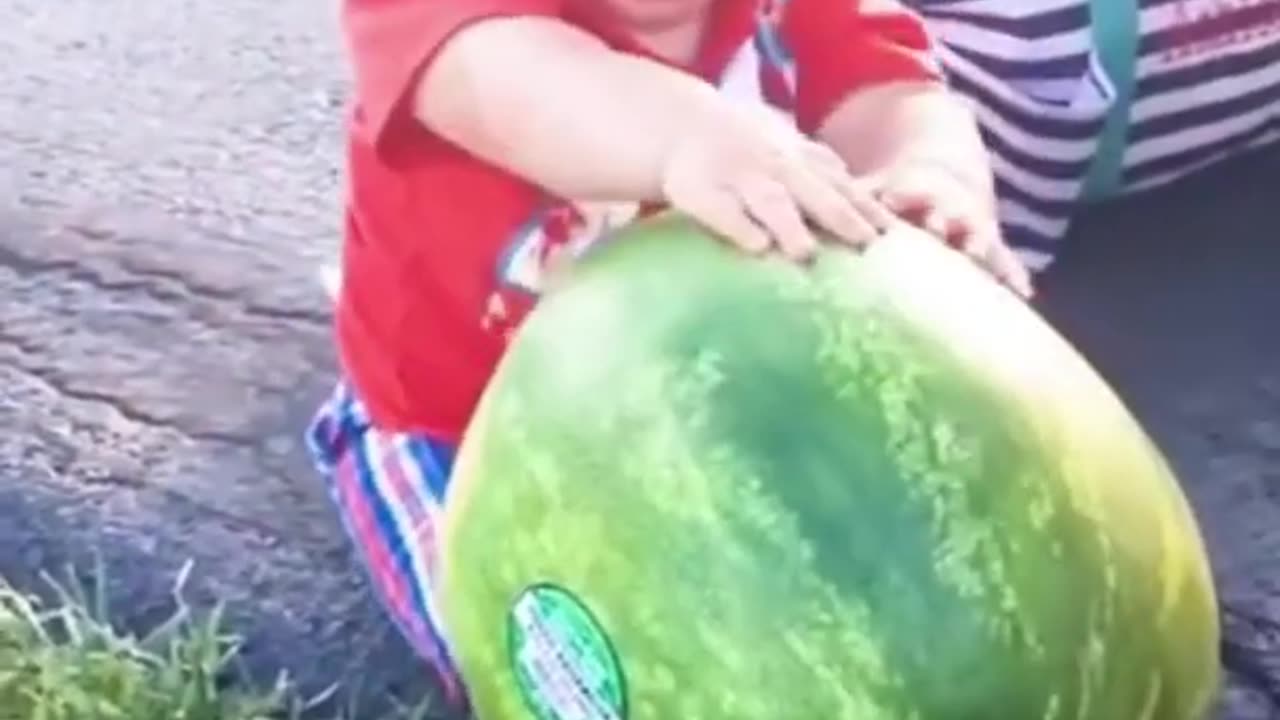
pixel 547 391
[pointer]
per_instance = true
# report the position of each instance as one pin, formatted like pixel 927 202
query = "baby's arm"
pixel 507 81
pixel 869 89
pixel 553 104
pixel 879 129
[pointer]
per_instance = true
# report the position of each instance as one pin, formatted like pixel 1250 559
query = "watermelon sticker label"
pixel 564 664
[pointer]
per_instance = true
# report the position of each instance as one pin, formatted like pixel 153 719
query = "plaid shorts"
pixel 389 492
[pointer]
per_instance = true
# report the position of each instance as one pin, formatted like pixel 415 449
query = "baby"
pixel 492 140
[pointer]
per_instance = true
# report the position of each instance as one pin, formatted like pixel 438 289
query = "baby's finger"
pixel 1006 265
pixel 823 200
pixel 954 224
pixel 771 205
pixel 860 195
pixel 949 228
pixel 993 255
pixel 906 201
pixel 724 214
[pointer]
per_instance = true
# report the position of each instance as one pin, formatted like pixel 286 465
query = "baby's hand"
pixel 756 181
pixel 944 205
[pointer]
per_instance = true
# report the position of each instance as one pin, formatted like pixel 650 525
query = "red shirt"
pixel 442 251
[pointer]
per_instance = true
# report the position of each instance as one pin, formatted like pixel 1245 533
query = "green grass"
pixel 66 660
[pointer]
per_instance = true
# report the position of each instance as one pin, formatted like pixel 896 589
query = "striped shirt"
pixel 1205 86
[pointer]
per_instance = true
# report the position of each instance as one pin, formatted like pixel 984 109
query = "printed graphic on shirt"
pixel 766 60
pixel 540 250
pixel 553 237
pixel 1208 86
pixel 1189 29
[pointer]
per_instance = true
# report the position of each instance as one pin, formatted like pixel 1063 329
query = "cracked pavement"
pixel 168 186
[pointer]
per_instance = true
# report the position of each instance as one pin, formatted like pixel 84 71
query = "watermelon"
pixel 705 486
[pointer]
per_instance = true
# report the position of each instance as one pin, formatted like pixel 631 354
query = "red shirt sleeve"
pixel 389 42
pixel 843 45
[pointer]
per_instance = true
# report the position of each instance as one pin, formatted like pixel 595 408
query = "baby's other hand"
pixel 941 203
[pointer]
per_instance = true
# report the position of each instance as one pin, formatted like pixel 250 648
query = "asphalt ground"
pixel 1173 296
pixel 168 185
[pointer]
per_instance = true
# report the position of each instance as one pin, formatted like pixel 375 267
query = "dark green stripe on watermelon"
pixel 876 488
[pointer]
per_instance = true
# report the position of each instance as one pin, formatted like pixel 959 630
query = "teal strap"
pixel 1116 35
